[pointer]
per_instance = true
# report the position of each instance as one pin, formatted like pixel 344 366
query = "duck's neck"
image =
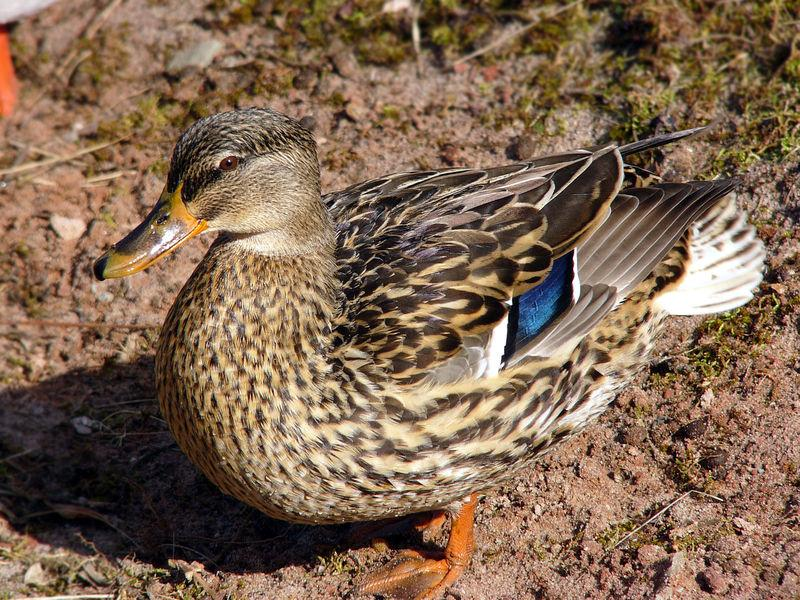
pixel 310 233
pixel 263 316
pixel 291 286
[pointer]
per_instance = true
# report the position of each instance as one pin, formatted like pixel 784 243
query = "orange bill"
pixel 167 226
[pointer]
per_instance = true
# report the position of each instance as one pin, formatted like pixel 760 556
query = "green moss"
pixel 108 219
pixel 19 362
pixel 230 13
pixel 641 107
pixel 743 331
pixel 661 533
pixel 693 61
pixel 685 62
pixel 705 536
pixel 710 360
pixel 611 535
pixel 106 55
pixel 382 48
pixel 662 381
pixel 152 118
pixel 336 563
pixel 389 111
pixel 159 167
pixel 687 473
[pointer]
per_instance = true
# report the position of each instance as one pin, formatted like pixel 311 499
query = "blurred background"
pixel 95 497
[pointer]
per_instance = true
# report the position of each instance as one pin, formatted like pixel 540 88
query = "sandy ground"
pixel 96 498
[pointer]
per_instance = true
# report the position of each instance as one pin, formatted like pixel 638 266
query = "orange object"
pixel 426 576
pixel 8 81
pixel 431 521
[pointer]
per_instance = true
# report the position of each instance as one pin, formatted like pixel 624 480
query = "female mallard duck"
pixel 409 342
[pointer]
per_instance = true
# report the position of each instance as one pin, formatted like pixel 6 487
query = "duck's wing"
pixel 642 226
pixel 431 262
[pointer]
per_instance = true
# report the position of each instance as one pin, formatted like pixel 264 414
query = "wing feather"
pixel 430 261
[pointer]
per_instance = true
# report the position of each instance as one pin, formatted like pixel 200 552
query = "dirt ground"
pixel 96 498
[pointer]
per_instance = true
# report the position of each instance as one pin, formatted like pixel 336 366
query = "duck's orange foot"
pixel 413 575
pixel 8 82
pixel 427 576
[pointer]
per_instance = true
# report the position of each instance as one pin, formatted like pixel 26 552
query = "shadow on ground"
pixel 87 463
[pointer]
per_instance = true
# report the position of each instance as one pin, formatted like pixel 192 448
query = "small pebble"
pixel 344 61
pixel 450 154
pixel 592 548
pixel 198 56
pixel 715 460
pixel 393 6
pixel 712 580
pixel 35 575
pixel 707 399
pixel 91 574
pixel 744 525
pixel 356 109
pixel 693 429
pixel 667 581
pixel 636 435
pixel 650 553
pixel 521 148
pixel 85 425
pixel 103 295
pixel 67 228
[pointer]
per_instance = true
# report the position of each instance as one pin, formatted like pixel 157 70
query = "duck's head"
pixel 252 174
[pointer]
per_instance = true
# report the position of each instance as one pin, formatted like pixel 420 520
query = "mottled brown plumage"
pixel 354 357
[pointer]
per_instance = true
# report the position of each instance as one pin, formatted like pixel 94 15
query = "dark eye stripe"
pixel 194 183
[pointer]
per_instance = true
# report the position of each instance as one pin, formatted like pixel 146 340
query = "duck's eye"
pixel 229 163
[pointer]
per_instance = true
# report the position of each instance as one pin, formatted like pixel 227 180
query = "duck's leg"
pixel 428 521
pixel 8 82
pixel 426 576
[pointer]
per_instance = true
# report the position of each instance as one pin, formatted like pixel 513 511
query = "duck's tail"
pixel 726 261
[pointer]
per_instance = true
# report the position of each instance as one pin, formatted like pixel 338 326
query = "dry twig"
pixel 74 57
pixel 55 160
pixel 661 512
pixel 42 323
pixel 75 597
pixel 105 177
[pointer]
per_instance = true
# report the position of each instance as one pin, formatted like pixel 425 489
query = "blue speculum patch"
pixel 537 308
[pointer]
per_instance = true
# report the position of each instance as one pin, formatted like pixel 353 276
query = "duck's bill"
pixel 167 226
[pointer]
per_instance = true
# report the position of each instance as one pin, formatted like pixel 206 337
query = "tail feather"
pixel 659 140
pixel 726 261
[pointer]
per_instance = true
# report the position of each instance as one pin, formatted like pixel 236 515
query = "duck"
pixel 404 345
pixel 10 11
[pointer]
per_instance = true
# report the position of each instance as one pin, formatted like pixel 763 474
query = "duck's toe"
pixel 412 575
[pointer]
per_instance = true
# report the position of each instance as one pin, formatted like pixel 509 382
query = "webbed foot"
pixel 425 576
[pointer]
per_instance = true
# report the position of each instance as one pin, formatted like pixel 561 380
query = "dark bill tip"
pixel 99 267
